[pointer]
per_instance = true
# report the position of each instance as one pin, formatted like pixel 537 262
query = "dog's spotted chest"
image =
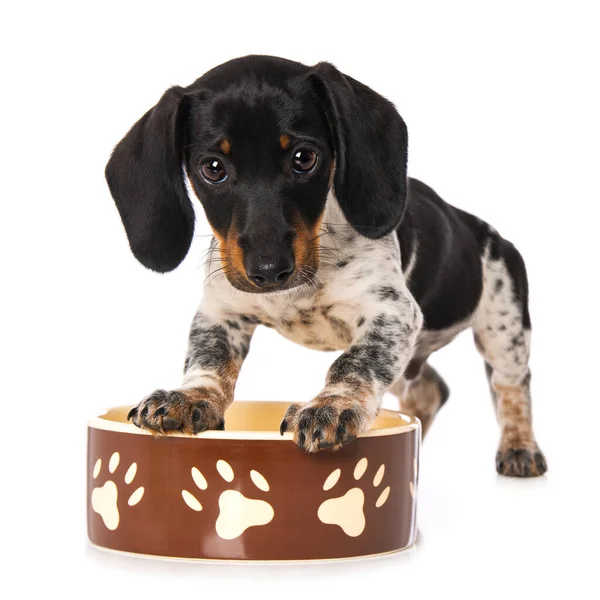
pixel 315 322
pixel 358 280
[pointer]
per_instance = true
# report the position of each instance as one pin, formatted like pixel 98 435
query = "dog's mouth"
pixel 304 276
pixel 267 272
pixel 269 267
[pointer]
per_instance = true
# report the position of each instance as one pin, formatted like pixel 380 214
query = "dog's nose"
pixel 275 270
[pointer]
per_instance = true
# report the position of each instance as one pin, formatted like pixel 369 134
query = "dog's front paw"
pixel 188 411
pixel 521 462
pixel 330 422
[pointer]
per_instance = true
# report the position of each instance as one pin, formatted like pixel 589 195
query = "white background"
pixel 502 106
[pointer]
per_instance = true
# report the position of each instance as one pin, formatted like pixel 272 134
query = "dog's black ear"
pixel 146 179
pixel 370 142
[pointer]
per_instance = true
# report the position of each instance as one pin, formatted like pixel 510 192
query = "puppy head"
pixel 258 138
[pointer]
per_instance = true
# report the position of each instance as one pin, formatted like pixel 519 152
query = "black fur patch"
pixel 374 357
pixel 250 319
pixel 306 316
pixel 386 292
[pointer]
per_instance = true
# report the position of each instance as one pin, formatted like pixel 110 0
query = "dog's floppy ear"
pixel 146 179
pixel 370 142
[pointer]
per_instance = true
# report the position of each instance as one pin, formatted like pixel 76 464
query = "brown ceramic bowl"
pixel 248 493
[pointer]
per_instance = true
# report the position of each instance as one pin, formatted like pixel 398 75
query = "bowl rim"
pixel 408 423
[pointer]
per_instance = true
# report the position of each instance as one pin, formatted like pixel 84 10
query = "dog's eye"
pixel 214 171
pixel 304 160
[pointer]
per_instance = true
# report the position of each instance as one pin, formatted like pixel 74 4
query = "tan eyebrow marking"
pixel 225 146
pixel 284 142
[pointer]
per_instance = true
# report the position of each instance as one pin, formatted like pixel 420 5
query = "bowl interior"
pixel 266 417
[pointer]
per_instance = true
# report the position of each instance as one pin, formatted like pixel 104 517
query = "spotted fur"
pixel 348 255
pixel 345 308
pixel 422 393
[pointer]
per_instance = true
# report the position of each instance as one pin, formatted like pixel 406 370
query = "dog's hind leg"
pixel 421 392
pixel 502 331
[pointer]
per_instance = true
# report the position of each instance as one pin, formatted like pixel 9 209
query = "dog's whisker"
pixel 328 262
pixel 205 261
pixel 224 270
pixel 363 227
pixel 214 278
pixel 333 241
pixel 307 279
pixel 312 272
pixel 330 254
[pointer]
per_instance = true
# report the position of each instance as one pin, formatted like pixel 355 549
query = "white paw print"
pixel 347 510
pixel 236 512
pixel 104 499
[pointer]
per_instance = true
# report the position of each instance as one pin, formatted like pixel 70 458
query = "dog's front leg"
pixel 218 344
pixel 382 347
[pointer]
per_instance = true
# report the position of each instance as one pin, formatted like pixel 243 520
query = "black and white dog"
pixel 319 234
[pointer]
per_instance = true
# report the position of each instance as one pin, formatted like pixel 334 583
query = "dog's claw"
pixel 185 411
pixel 520 462
pixel 301 439
pixel 319 425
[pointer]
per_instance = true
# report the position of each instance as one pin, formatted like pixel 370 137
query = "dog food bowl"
pixel 248 493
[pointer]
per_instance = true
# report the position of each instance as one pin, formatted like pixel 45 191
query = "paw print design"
pixel 236 512
pixel 104 499
pixel 347 510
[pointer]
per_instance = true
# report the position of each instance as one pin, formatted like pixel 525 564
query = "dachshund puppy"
pixel 320 234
